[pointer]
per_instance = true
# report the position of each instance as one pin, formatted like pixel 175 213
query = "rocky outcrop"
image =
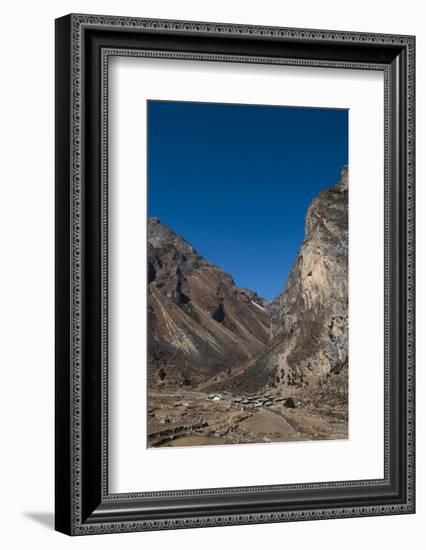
pixel 309 319
pixel 199 322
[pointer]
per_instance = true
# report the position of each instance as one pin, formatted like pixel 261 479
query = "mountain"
pixel 308 349
pixel 199 322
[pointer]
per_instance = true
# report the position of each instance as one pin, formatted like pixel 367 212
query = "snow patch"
pixel 258 305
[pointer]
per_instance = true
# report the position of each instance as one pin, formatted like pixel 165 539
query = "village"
pixel 194 418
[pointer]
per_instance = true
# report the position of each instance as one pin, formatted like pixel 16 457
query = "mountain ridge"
pixel 196 314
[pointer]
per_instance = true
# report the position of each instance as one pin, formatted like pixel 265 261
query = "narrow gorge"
pixel 225 365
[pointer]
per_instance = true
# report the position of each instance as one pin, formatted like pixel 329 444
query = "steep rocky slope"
pixel 308 350
pixel 199 322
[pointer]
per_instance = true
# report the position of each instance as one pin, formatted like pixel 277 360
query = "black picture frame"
pixel 83 45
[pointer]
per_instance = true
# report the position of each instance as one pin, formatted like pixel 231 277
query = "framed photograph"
pixel 234 274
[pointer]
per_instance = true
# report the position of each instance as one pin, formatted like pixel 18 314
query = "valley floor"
pixel 190 418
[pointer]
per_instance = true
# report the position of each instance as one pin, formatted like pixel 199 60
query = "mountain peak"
pixel 159 232
pixel 342 184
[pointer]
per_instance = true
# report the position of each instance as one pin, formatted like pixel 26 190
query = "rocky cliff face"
pixel 199 322
pixel 309 319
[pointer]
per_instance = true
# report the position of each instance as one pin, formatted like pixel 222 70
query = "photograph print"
pixel 247 280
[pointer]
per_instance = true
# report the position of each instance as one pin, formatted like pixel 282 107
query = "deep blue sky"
pixel 236 180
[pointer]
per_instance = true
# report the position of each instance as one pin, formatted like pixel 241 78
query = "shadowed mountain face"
pixel 309 319
pixel 199 322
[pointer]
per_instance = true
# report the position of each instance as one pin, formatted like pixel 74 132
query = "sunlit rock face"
pixel 313 308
